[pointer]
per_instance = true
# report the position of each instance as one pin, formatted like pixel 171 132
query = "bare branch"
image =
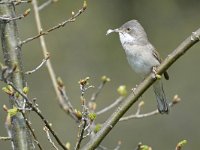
pixel 137 115
pixel 65 103
pixel 45 4
pixel 49 137
pixel 16 2
pixel 5 138
pixel 39 66
pixel 81 134
pixel 104 80
pixel 8 18
pixel 114 104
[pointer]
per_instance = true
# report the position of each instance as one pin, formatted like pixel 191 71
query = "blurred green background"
pixel 82 49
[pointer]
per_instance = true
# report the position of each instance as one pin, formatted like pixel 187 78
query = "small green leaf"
pixel 12 112
pixel 105 79
pixel 78 114
pixel 92 116
pixel 25 90
pixel 68 145
pixel 145 147
pixel 8 90
pixel 122 90
pixel 158 76
pixel 181 143
pixel 97 128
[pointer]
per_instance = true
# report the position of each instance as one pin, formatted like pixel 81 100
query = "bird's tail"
pixel 163 106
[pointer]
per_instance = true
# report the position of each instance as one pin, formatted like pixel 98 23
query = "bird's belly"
pixel 141 61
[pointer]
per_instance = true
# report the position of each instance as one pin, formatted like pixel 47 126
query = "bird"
pixel 142 57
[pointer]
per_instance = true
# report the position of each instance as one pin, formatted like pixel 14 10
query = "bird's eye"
pixel 128 29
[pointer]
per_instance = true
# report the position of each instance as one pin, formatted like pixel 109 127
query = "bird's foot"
pixel 134 89
pixel 155 74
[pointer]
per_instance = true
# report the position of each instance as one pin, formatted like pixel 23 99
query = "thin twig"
pixel 5 138
pixel 41 33
pixel 80 134
pixel 15 1
pixel 115 103
pixel 99 88
pixel 45 4
pixel 65 103
pixel 84 125
pixel 39 66
pixel 137 115
pixel 118 145
pixel 32 131
pixel 49 137
pixel 5 18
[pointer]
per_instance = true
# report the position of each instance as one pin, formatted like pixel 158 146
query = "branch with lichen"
pixel 141 88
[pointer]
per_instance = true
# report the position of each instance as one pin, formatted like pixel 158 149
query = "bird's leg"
pixel 134 89
pixel 155 74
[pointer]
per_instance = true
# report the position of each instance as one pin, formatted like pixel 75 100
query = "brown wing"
pixel 157 56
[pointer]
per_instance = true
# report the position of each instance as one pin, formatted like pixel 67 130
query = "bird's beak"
pixel 113 30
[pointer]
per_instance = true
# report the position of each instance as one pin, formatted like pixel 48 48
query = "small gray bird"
pixel 142 56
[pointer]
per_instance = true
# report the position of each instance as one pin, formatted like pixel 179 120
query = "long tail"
pixel 163 106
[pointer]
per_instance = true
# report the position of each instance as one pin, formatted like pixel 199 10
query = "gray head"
pixel 131 32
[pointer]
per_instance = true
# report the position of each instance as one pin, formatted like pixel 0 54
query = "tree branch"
pixel 141 88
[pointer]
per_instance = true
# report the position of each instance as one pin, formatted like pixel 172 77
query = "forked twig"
pixel 62 24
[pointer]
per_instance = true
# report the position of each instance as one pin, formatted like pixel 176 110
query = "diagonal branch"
pixel 133 97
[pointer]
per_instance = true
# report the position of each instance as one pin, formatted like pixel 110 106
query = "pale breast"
pixel 140 58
